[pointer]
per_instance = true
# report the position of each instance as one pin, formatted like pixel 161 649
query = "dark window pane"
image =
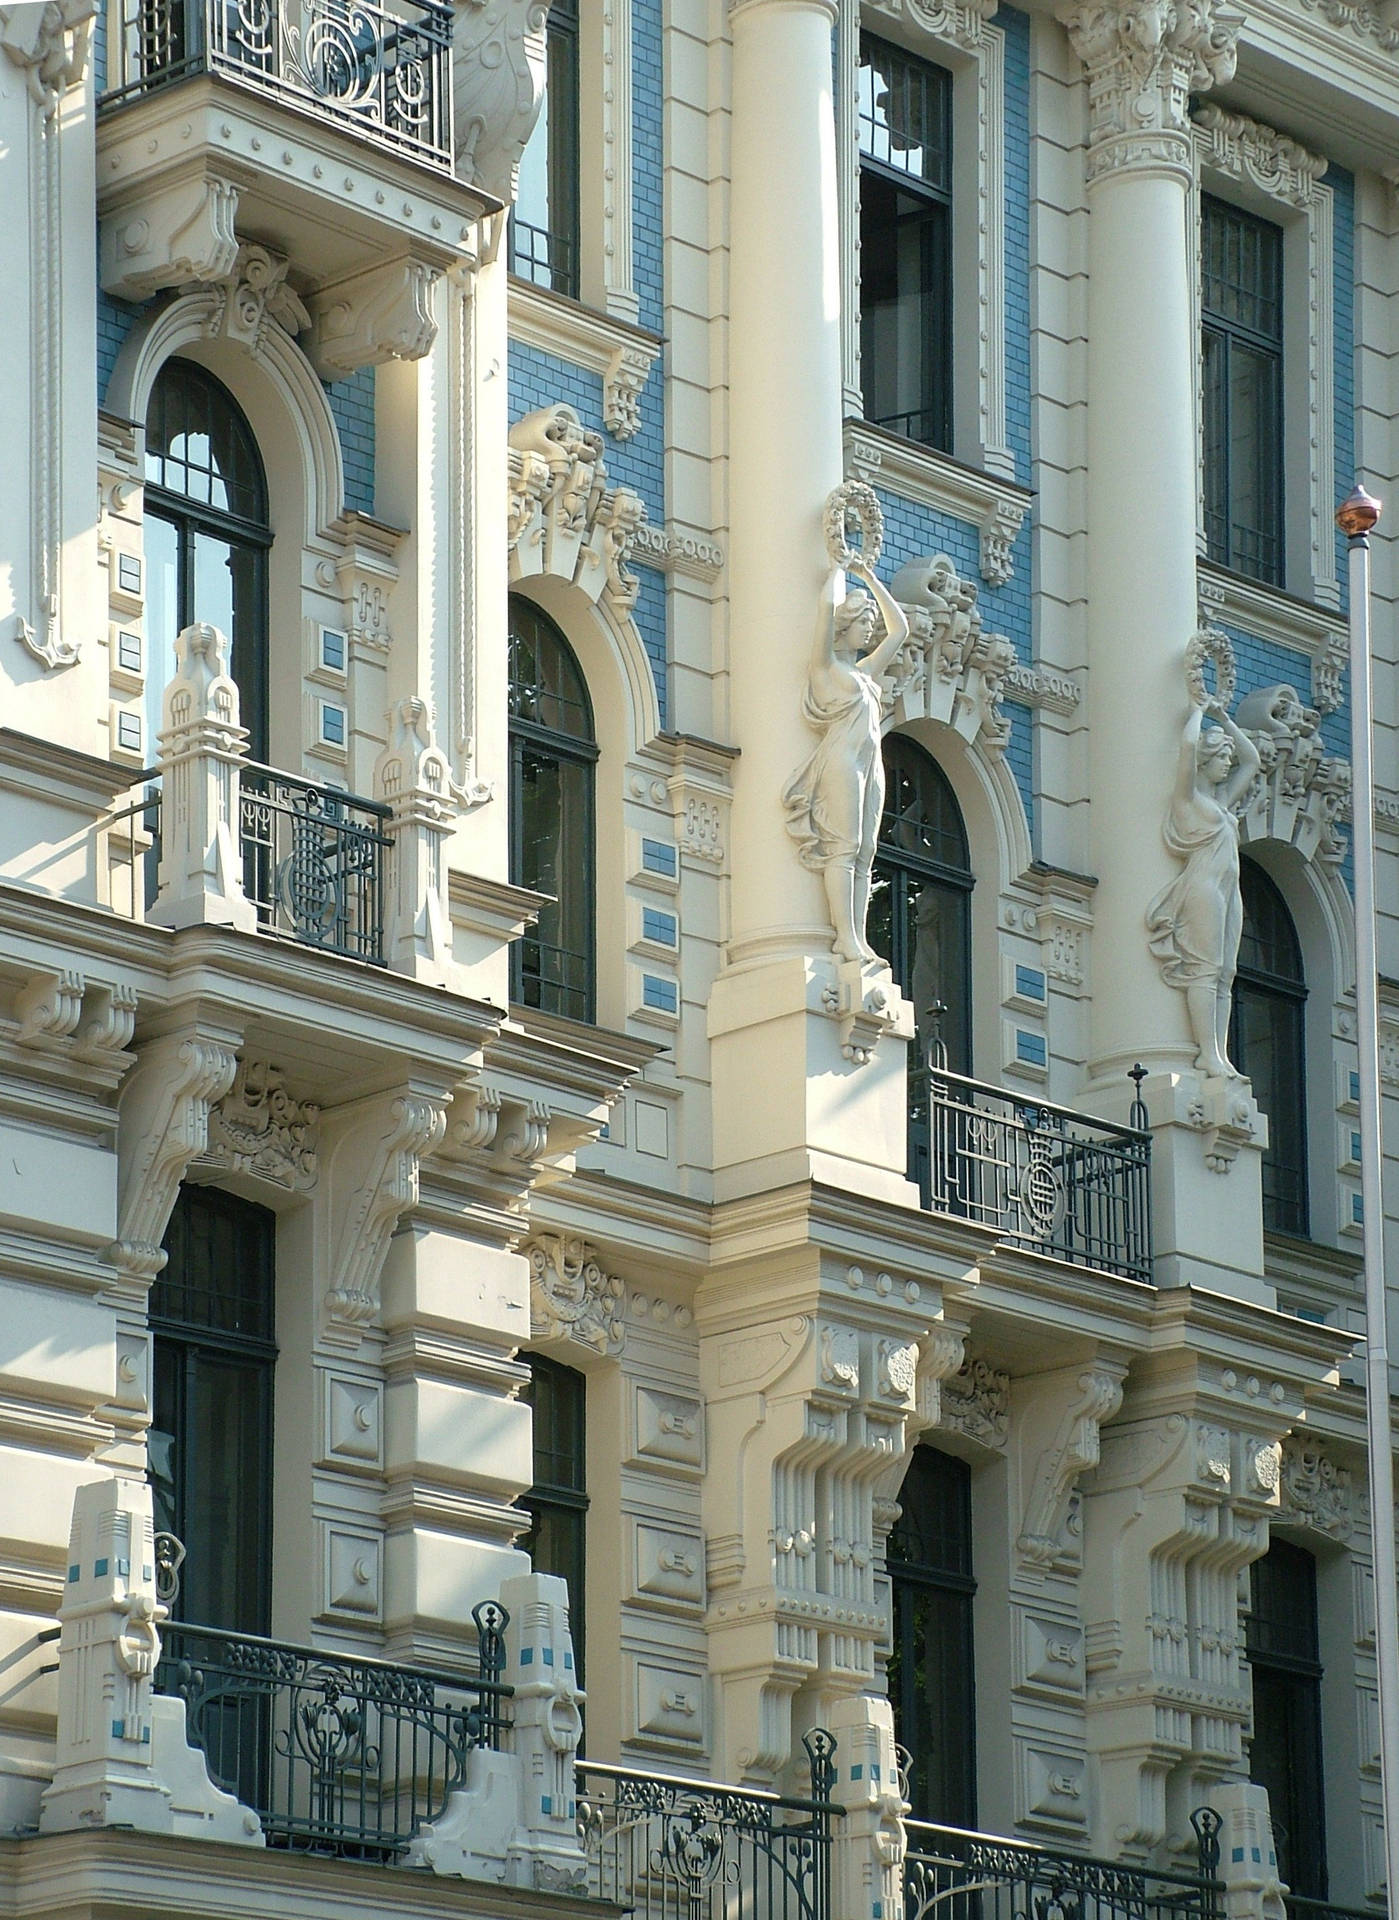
pixel 558 1500
pixel 1242 402
pixel 1268 1042
pixel 544 233
pixel 1285 1754
pixel 904 111
pixel 931 1681
pixel 211 1417
pixel 551 809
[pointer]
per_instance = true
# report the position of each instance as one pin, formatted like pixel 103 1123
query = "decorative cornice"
pixel 1247 150
pixel 995 507
pixel 621 354
pixel 956 25
pixel 1144 59
pixel 572 1296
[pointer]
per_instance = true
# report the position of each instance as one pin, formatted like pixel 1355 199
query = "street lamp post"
pixel 1356 519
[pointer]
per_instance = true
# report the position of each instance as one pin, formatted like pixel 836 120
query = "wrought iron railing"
pixel 1046 1178
pixel 334 1754
pixel 674 1849
pixel 953 1875
pixel 314 862
pixel 383 70
pixel 133 853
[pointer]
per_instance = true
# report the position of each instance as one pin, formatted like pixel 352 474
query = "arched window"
pixel 931 1686
pixel 1267 1043
pixel 210 1439
pixel 920 917
pixel 552 752
pixel 1284 1652
pixel 207 536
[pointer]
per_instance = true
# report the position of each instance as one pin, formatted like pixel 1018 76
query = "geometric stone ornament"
pixel 572 1297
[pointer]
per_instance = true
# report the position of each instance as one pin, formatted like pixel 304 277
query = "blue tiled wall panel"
pixel 352 406
pixel 1016 319
pixel 540 379
pixel 1263 663
pixel 115 319
pixel 912 531
pixel 647 162
pixel 1342 185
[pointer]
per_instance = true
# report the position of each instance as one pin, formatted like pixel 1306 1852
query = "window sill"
pixel 995 506
pixel 623 354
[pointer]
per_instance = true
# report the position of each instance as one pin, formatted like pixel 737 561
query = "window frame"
pixel 1223 337
pixel 251 670
pixel 1295 1679
pixel 930 207
pixel 1259 984
pixel 562 166
pixel 566 1500
pixel 527 736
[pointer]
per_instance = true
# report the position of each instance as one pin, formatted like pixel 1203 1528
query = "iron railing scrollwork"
pixel 675 1849
pixel 950 1874
pixel 381 69
pixel 314 862
pixel 1045 1178
pixel 333 1753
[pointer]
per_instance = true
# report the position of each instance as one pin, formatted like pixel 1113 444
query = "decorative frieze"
pixel 572 1296
pixel 259 1129
pixel 1247 150
pixel 563 518
pixel 1144 60
pixel 1301 792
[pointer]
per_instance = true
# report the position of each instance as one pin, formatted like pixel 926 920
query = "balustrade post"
pixel 122 1759
pixel 202 747
pixel 413 777
pixel 1248 1861
pixel 868 1842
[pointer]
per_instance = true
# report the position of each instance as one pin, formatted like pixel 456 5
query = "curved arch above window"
pixel 552 751
pixel 207 535
pixel 1267 1041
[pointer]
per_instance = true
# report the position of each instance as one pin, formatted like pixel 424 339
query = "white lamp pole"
pixel 1356 519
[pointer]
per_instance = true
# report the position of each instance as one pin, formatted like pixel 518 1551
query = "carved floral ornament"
pixel 563 518
pixel 1145 58
pixel 1315 1488
pixel 572 1296
pixel 259 1129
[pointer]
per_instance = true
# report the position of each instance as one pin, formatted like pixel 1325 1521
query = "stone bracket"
pixel 383 312
pixel 373 1149
pixel 169 235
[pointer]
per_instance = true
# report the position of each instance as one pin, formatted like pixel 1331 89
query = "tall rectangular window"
pixel 1241 288
pixel 558 1500
pixel 905 126
pixel 544 224
pixel 1285 1752
pixel 931 1686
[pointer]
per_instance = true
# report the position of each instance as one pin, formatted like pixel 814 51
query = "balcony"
pixel 382 73
pixel 314 861
pixel 1045 1179
pixel 335 1755
pixel 667 1847
pixel 950 1874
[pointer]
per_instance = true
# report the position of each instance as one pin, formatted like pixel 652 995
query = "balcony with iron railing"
pixel 951 1874
pixel 1044 1179
pixel 379 69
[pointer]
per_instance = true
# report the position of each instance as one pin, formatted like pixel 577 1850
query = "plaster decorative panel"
pixel 354 1426
pixel 1051 1653
pixel 1055 1785
pixel 353 1572
pixel 668 1567
pixel 669 1429
pixel 669 1705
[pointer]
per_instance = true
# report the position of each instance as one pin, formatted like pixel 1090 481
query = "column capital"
pixel 1145 58
pixel 831 8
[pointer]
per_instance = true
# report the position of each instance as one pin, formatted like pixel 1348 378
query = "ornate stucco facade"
pixel 261 924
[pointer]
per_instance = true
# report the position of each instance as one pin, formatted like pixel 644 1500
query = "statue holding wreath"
pixel 836 798
pixel 1194 924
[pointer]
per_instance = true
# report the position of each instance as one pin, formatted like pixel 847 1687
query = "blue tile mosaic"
pixel 352 406
pixel 648 93
pixel 1016 319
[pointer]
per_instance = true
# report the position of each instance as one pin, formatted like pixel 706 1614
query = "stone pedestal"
pixel 202 746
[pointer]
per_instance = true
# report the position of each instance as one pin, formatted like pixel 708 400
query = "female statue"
pixel 835 800
pixel 1194 924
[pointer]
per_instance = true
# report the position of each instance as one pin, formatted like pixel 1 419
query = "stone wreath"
pixel 1210 645
pixel 854 500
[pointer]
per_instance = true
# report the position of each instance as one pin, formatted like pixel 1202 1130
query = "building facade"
pixel 677 982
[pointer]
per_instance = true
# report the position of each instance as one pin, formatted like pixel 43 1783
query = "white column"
pixel 1143 352
pixel 785 456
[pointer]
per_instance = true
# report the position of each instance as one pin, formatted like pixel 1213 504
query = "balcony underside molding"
pixel 179 170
